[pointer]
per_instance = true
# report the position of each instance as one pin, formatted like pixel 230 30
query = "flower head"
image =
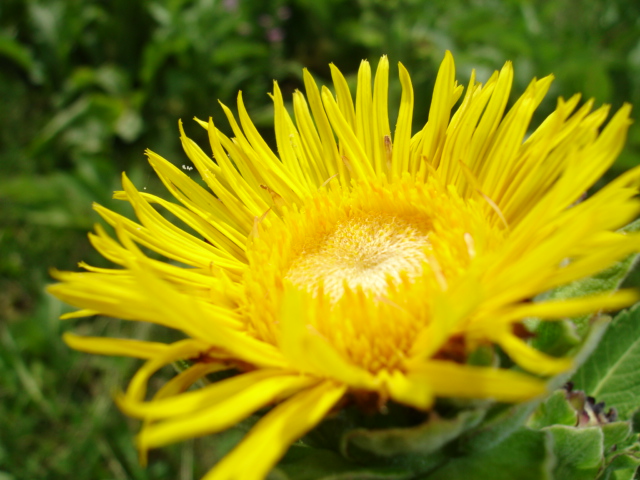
pixel 357 259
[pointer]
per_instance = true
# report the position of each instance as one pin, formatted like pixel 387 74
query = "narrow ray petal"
pixel 115 346
pixel 221 415
pixel 269 439
pixel 453 380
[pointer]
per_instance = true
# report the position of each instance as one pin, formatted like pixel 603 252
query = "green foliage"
pixel 424 439
pixel 555 410
pixel 590 446
pixel 579 451
pixel 615 433
pixel 43 432
pixel 611 373
pixel 303 463
pixel 527 455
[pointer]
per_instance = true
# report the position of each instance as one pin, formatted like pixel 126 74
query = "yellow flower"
pixel 356 260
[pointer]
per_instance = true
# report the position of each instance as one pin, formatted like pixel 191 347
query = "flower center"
pixel 370 259
pixel 367 252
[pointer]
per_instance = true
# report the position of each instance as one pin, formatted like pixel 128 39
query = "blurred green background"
pixel 87 85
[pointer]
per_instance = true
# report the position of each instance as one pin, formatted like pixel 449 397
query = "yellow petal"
pixel 450 379
pixel 440 109
pixel 558 309
pixel 409 390
pixel 115 346
pixel 380 119
pixel 330 154
pixel 353 151
pixel 270 438
pixel 181 350
pixel 402 138
pixel 193 401
pixel 224 414
pixel 532 359
pixel 364 109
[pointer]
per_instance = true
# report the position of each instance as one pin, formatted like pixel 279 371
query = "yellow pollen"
pixel 368 252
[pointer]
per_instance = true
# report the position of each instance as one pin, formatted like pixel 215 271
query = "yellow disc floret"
pixel 371 257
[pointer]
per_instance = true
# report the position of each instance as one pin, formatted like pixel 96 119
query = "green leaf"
pixel 526 456
pixel 484 356
pixel 129 125
pixel 615 433
pixel 611 372
pixel 555 410
pixel 635 421
pixel 555 338
pixel 627 474
pixel 622 467
pixel 622 450
pixel 578 451
pixel 19 53
pixel 304 463
pixel 501 421
pixel 423 439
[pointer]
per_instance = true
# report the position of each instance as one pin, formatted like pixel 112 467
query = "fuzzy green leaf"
pixel 584 352
pixel 555 338
pixel 611 372
pixel 526 456
pixel 423 439
pixel 578 451
pixel 555 410
pixel 622 467
pixel 502 420
pixel 615 433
